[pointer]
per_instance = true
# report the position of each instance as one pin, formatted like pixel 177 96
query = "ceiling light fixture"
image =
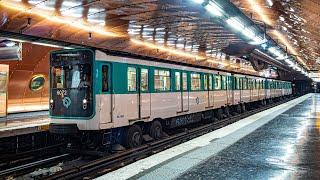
pixel 214 9
pixel 235 23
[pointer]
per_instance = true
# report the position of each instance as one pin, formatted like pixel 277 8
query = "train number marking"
pixel 62 93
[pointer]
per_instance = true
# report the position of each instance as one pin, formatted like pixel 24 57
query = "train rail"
pixel 107 164
pixel 20 163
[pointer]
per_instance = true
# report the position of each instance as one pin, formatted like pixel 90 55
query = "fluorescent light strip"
pixel 235 23
pixel 214 9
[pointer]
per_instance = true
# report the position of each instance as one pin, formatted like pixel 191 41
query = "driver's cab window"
pixel 105 79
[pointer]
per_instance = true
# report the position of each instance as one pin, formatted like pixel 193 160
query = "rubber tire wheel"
pixel 227 111
pixel 219 114
pixel 243 108
pixel 155 130
pixel 238 109
pixel 133 136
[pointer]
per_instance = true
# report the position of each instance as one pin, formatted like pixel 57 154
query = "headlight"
pixel 51 104
pixel 84 104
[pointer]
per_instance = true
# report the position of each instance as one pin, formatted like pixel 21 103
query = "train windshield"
pixel 71 77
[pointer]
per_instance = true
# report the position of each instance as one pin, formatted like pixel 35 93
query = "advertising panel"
pixel 4 78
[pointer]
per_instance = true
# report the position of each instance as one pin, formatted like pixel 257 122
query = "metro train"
pixel 104 99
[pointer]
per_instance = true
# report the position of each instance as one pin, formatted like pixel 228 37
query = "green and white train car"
pixel 113 99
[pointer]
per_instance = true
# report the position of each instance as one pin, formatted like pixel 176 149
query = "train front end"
pixel 71 91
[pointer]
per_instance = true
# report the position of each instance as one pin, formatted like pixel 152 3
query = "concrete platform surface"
pixel 279 143
pixel 24 123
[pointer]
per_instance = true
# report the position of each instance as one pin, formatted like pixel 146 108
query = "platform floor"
pixel 280 143
pixel 24 123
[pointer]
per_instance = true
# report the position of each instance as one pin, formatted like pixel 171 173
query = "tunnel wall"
pixel 35 63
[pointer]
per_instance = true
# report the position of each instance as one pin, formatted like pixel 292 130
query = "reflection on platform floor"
pixel 285 148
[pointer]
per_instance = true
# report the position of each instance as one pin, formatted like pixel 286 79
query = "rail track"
pixel 98 166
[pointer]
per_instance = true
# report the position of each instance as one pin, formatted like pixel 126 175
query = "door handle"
pixel 113 101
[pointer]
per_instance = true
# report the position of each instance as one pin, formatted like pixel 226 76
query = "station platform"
pixel 23 123
pixel 279 143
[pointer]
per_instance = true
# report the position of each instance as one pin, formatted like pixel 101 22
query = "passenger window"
pixel 162 80
pixel 144 80
pixel 132 79
pixel 223 82
pixel 229 82
pixel 105 79
pixel 245 83
pixel 217 85
pixel 178 81
pixel 205 82
pixel 210 82
pixel 184 81
pixel 237 86
pixel 195 82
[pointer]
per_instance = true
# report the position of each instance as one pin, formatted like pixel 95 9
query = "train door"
pixel 144 96
pixel 105 99
pixel 182 78
pixel 185 92
pixel 229 88
pixel 210 91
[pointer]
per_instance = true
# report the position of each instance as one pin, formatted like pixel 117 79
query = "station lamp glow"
pixel 198 1
pixel 269 3
pixel 248 32
pixel 272 50
pixel 235 23
pixel 258 40
pixel 214 9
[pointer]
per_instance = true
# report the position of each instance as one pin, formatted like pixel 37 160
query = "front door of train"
pixel 144 96
pixel 182 88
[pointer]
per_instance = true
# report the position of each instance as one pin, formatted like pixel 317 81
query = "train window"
pixel 217 81
pixel 245 83
pixel 195 82
pixel 184 81
pixel 229 82
pixel 178 81
pixel 37 82
pixel 249 84
pixel 223 82
pixel 205 81
pixel 144 84
pixel 132 79
pixel 237 83
pixel 210 82
pixel 161 80
pixel 105 79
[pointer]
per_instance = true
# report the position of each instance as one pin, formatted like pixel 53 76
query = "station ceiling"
pixel 175 30
pixel 295 23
